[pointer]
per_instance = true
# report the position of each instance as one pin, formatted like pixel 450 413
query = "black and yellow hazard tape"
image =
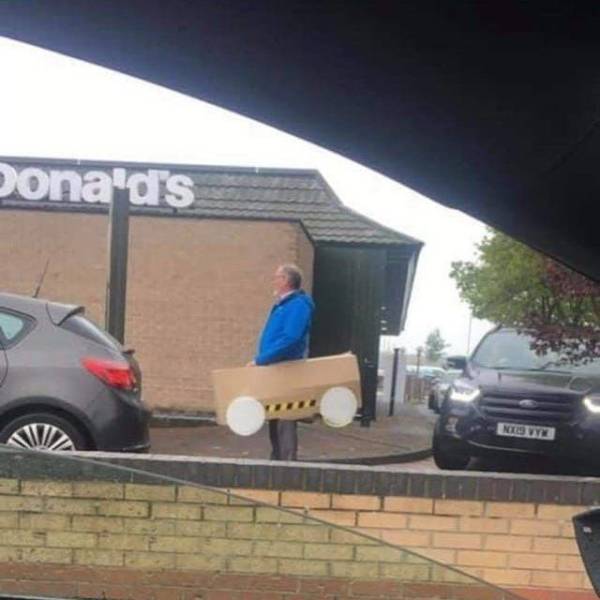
pixel 297 405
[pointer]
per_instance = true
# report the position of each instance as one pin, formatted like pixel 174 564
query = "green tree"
pixel 505 283
pixel 435 345
pixel 513 285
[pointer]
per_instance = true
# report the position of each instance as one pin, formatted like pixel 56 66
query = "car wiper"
pixel 545 369
pixel 548 364
pixel 528 369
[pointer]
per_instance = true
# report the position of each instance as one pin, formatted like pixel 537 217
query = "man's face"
pixel 280 282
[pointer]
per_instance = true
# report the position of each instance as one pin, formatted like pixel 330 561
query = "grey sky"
pixel 59 107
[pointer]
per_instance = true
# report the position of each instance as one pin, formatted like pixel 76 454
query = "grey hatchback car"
pixel 66 384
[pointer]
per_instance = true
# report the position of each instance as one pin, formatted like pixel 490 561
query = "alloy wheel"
pixel 40 436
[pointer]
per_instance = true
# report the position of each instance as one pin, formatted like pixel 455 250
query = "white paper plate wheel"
pixel 338 406
pixel 245 415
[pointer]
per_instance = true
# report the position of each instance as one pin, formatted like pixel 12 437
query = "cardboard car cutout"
pixel 246 397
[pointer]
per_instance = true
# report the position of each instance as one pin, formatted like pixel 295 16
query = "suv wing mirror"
pixel 457 362
pixel 587 532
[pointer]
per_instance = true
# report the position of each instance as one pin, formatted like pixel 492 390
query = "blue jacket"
pixel 285 334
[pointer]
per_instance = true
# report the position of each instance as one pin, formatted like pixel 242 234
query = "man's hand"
pixel 251 364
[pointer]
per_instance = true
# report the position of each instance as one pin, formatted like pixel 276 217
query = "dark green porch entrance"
pixel 360 293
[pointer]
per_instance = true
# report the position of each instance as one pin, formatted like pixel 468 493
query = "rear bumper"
pixel 123 426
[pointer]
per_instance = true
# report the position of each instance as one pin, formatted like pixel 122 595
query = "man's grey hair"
pixel 293 274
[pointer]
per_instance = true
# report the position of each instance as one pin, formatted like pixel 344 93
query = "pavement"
pixel 398 440
pixel 404 437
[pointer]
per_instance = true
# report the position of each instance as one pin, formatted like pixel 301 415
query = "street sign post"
pixel 118 246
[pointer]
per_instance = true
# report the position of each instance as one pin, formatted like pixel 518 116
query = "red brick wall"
pixel 198 290
pixel 528 547
pixel 124 541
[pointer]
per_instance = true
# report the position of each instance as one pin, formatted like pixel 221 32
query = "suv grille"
pixel 548 409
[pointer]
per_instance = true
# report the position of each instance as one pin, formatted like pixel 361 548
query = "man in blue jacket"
pixel 284 337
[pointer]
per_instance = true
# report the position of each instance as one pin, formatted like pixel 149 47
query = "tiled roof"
pixel 233 192
pixel 294 195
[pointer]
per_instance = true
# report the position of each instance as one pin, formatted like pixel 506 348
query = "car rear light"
pixel 116 374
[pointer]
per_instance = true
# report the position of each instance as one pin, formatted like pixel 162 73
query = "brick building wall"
pixel 198 289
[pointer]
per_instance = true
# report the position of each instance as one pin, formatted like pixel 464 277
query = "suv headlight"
pixel 463 392
pixel 592 403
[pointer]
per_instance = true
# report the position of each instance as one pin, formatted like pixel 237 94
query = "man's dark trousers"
pixel 284 439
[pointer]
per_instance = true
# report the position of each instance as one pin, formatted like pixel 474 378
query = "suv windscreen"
pixel 79 325
pixel 449 376
pixel 507 349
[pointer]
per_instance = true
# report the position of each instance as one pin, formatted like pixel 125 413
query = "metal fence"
pixel 416 390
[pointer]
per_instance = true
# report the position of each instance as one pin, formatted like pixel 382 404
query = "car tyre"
pixel 446 458
pixel 42 431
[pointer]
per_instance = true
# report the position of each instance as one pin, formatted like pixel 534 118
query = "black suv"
pixel 510 399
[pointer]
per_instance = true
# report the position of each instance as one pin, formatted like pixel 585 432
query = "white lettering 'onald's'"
pixel 95 187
